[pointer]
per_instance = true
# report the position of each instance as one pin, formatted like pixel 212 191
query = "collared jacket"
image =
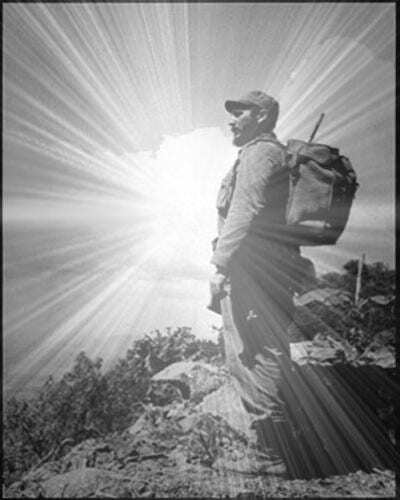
pixel 252 202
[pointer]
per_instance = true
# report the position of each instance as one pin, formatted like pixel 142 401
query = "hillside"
pixel 165 421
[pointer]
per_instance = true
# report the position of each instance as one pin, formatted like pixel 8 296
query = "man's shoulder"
pixel 267 137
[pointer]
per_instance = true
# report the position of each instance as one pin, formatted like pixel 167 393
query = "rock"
pixel 188 422
pixel 382 300
pixel 226 403
pixel 156 431
pixel 309 352
pixel 330 351
pixel 250 465
pixel 162 393
pixel 379 356
pixel 82 483
pixel 141 426
pixel 176 411
pixel 199 378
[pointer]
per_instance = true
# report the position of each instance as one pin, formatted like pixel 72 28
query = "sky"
pixel 115 139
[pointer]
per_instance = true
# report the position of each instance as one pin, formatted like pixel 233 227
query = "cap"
pixel 253 98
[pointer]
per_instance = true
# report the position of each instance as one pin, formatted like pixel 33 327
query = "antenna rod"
pixel 358 280
pixel 316 128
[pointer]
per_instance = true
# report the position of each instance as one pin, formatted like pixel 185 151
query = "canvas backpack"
pixel 322 187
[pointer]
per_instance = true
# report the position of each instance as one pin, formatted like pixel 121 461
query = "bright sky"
pixel 115 141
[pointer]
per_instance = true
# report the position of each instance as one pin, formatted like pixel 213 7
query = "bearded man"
pixel 256 263
pixel 258 270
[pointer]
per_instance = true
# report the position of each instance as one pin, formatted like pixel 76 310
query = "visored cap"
pixel 253 98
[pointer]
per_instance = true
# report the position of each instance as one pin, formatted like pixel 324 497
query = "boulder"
pixel 226 403
pixel 195 379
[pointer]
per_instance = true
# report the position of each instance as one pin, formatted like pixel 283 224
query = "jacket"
pixel 252 201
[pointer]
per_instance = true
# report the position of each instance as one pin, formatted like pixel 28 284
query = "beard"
pixel 236 141
pixel 240 138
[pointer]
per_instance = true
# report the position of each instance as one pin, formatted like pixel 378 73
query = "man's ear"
pixel 262 115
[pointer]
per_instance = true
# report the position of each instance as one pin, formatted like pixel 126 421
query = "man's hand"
pixel 217 282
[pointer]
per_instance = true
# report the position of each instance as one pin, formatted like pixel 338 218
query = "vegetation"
pixel 339 316
pixel 88 403
pixel 376 278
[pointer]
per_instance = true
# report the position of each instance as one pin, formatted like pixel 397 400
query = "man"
pixel 256 264
pixel 258 269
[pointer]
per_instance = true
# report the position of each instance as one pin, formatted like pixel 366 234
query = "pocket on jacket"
pixel 224 199
pixel 225 193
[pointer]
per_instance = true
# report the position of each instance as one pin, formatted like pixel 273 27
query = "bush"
pixel 376 279
pixel 341 317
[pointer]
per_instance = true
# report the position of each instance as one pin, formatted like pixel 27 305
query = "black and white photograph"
pixel 199 249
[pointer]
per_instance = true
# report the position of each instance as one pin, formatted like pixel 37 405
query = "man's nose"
pixel 232 122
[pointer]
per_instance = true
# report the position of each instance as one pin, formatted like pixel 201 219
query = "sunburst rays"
pixel 99 219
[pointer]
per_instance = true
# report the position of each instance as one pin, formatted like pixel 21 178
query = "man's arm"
pixel 258 163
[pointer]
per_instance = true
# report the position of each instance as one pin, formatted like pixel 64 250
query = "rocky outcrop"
pixel 209 389
pixel 175 478
pixel 194 438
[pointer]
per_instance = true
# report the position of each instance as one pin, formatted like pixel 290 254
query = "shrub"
pixel 341 317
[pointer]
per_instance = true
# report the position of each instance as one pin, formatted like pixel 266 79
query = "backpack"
pixel 322 187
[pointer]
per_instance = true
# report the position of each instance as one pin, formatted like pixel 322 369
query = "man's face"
pixel 244 125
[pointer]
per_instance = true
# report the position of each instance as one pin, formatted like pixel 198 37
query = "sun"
pixel 181 194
